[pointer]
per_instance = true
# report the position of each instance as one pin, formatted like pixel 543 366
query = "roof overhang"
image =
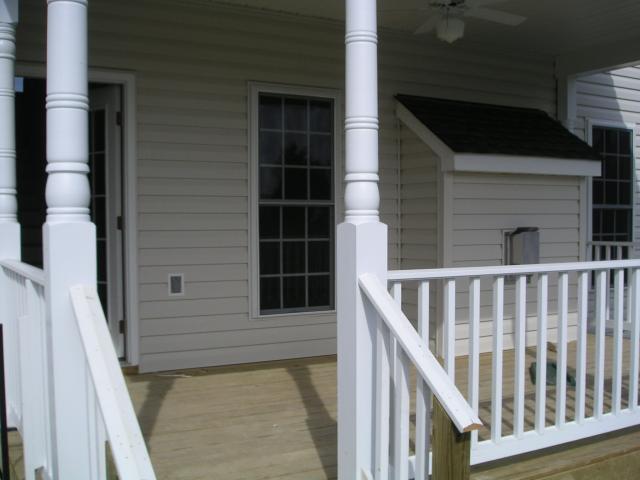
pixel 495 163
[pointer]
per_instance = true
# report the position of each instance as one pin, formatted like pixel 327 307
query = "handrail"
pixel 123 431
pixel 460 412
pixel 458 272
pixel 34 274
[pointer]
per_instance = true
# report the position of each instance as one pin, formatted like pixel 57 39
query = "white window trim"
pixel 595 122
pixel 255 89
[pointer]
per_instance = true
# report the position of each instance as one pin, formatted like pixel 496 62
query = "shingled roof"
pixel 478 128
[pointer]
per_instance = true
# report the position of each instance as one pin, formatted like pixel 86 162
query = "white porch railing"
pixel 573 282
pixel 599 251
pixel 29 380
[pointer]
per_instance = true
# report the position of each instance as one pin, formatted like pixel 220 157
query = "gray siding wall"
pixel 192 64
pixel 613 97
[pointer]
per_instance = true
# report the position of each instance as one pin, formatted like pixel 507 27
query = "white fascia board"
pixel 493 163
pixel 9 11
pixel 427 136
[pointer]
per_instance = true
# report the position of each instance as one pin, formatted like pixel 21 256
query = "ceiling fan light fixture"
pixel 450 29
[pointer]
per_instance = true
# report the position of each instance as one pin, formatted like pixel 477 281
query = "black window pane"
pixel 624 140
pixel 598 139
pixel 623 222
pixel 625 193
pixel 295 114
pixel 102 294
pixel 320 291
pixel 624 168
pixel 270 182
pixel 270 150
pixel 611 141
pixel 597 224
pixel 293 257
pixel 295 152
pixel 320 113
pixel 270 112
pixel 320 153
pixel 611 166
pixel 269 258
pixel 608 221
pixel 293 222
pixel 598 191
pixel 319 222
pixel 611 193
pixel 294 292
pixel 320 182
pixel 319 257
pixel 295 186
pixel 99 182
pixel 270 293
pixel 269 222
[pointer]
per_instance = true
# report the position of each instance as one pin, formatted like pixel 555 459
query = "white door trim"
pixel 127 80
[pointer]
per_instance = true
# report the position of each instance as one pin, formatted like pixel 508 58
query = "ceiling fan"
pixel 446 17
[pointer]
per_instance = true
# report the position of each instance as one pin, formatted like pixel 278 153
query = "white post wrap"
pixel 69 236
pixel 361 247
pixel 9 227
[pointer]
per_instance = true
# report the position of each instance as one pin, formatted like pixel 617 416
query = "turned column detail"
pixel 8 202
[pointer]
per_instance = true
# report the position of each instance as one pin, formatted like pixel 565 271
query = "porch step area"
pixel 614 456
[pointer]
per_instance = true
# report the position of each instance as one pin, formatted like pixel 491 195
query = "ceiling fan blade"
pixel 428 26
pixel 483 3
pixel 495 16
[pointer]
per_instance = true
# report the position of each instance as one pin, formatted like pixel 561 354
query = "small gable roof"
pixel 469 132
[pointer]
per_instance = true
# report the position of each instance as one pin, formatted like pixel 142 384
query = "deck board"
pixel 277 420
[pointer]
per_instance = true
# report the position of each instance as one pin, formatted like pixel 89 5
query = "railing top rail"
pixel 34 274
pixel 459 411
pixel 123 431
pixel 609 243
pixel 499 270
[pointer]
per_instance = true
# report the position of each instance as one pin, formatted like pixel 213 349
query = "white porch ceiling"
pixel 553 27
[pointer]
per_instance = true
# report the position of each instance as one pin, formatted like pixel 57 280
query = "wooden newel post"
pixel 69 239
pixel 451 449
pixel 9 227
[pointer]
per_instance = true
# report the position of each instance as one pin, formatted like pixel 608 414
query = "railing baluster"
pixel 423 394
pixel 520 321
pixel 618 316
pixel 634 319
pixel 474 350
pixel 496 380
pixel 401 417
pixel 561 355
pixel 601 306
pixel 581 348
pixel 383 347
pixel 541 354
pixel 450 327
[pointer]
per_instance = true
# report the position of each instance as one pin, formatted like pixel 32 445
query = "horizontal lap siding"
pixel 613 97
pixel 192 64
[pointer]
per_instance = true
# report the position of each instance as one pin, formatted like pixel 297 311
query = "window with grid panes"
pixel 613 191
pixel 296 204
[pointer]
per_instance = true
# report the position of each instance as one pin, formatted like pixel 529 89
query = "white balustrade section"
pixel 28 365
pixel 599 251
pixel 606 394
pixel 109 390
pixel 412 351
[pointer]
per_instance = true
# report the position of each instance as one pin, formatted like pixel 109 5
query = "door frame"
pixel 127 81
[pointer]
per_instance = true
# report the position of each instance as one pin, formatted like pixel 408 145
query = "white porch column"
pixel 9 227
pixel 69 236
pixel 361 246
pixel 567 102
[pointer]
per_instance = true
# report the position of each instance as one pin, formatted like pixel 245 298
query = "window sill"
pixel 284 316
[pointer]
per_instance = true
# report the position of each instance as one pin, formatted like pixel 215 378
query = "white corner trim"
pixel 494 163
pixel 427 136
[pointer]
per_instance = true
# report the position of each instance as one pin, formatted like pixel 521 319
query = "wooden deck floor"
pixel 278 421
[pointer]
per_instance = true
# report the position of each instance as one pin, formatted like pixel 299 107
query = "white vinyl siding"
pixel 613 99
pixel 193 62
pixel 484 207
